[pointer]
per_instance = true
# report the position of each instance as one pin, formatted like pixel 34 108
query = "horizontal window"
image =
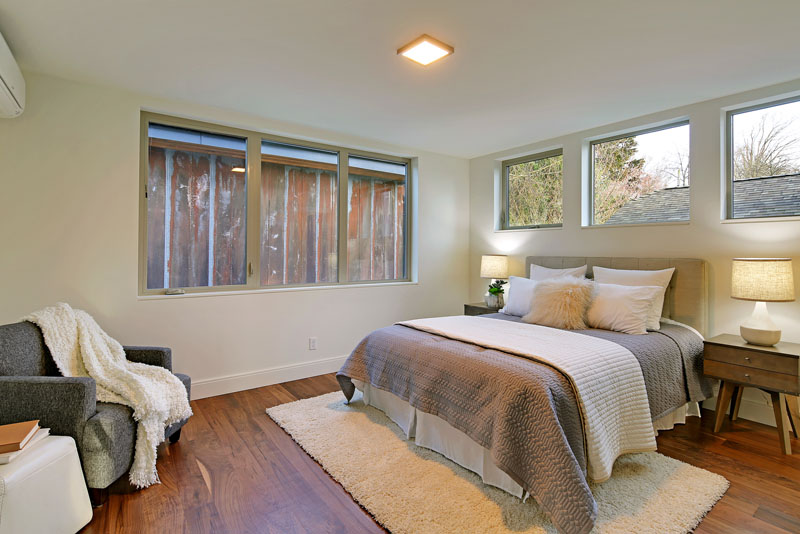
pixel 764 161
pixel 205 228
pixel 533 190
pixel 641 177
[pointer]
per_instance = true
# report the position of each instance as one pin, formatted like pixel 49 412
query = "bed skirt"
pixel 436 434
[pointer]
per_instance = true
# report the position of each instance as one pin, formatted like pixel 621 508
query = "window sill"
pixel 532 229
pixel 634 225
pixel 762 219
pixel 201 294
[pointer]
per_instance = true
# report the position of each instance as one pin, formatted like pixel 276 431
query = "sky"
pixel 658 148
pixel 743 123
pixel 662 147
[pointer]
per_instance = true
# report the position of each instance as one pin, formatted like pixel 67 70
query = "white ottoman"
pixel 43 490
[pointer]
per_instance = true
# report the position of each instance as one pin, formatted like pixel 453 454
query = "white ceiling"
pixel 522 71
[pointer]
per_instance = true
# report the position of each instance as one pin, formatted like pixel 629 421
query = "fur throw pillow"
pixel 561 303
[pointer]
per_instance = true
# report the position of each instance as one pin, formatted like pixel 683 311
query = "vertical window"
pixel 532 191
pixel 298 214
pixel 196 209
pixel 376 219
pixel 641 177
pixel 764 161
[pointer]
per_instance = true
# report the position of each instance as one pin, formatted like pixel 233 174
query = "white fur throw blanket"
pixel 607 378
pixel 81 348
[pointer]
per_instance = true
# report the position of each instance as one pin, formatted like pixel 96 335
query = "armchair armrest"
pixel 160 356
pixel 62 404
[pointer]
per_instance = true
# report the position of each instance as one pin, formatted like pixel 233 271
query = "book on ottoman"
pixel 15 436
pixel 40 434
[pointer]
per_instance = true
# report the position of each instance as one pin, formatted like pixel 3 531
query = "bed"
pixel 476 390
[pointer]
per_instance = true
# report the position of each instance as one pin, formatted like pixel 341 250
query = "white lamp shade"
pixel 762 279
pixel 494 266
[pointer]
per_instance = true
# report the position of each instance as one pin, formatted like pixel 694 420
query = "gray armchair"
pixel 105 433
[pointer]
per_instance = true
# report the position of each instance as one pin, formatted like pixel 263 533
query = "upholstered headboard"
pixel 686 299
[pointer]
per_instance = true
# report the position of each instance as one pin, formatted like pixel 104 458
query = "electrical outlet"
pixel 312 343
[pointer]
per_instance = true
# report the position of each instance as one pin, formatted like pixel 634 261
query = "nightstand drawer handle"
pixel 747 358
pixel 747 376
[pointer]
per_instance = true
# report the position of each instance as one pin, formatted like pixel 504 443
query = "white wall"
pixel 69 170
pixel 706 236
pixel 69 213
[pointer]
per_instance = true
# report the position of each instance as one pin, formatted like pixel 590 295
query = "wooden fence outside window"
pixel 197 213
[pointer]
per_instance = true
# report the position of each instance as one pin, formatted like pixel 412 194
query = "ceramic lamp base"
pixel 759 329
pixel 765 338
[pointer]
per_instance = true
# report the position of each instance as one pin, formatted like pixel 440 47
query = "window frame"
pixel 253 140
pixel 504 165
pixel 729 167
pixel 634 133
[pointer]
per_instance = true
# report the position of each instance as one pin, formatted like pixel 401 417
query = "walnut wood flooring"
pixel 235 471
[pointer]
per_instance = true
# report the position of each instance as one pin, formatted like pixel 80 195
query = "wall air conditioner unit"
pixel 12 84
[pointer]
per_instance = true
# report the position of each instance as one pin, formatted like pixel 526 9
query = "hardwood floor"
pixel 235 471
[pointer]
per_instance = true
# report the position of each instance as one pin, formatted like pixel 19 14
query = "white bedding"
pixel 607 379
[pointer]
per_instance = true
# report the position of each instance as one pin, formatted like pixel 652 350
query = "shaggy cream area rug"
pixel 413 490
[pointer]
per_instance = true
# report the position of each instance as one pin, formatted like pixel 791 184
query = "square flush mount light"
pixel 425 50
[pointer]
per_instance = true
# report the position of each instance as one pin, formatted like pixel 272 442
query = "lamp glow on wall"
pixel 762 280
pixel 495 267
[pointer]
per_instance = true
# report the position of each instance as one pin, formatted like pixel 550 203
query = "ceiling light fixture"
pixel 425 50
pixel 238 169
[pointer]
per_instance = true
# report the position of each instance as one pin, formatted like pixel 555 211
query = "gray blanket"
pixel 670 381
pixel 523 411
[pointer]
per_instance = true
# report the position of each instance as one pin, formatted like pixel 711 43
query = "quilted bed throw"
pixel 606 377
pixel 158 399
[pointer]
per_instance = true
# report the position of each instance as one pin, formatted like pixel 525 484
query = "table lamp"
pixel 494 266
pixel 762 280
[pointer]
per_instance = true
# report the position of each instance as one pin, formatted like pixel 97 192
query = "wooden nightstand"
pixel 739 365
pixel 478 308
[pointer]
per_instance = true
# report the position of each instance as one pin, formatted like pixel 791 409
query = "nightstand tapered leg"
pixel 723 400
pixel 794 418
pixel 779 406
pixel 737 402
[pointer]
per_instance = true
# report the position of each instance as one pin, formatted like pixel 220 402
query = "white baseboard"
pixel 264 377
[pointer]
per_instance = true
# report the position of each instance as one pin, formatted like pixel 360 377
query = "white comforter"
pixel 607 379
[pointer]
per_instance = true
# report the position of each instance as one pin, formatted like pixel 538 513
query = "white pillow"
pixel 621 308
pixel 539 273
pixel 519 294
pixel 640 278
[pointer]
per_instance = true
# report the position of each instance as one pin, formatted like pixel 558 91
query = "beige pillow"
pixel 561 303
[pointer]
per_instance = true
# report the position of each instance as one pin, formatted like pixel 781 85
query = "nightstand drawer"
pixel 752 377
pixel 751 358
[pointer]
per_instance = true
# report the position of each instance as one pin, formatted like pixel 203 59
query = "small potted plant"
pixel 495 297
